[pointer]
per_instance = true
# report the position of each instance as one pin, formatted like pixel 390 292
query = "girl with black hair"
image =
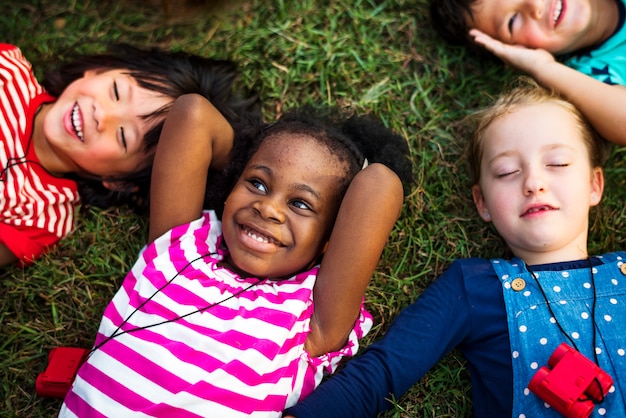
pixel 242 314
pixel 87 134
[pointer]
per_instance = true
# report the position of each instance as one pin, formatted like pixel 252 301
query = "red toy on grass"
pixel 574 385
pixel 63 363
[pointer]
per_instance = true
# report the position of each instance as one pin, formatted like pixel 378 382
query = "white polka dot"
pixel 526 391
pixel 546 405
pixel 523 328
pixel 612 389
pixel 507 285
pixel 608 318
pixel 587 285
pixel 563 302
pixel 534 365
pixel 613 301
pixel 506 276
pixel 496 261
pixel 601 411
pixel 515 354
pixel 598 350
pixel 533 307
pixel 621 352
pixel 584 315
pixel 556 289
pixel 527 293
pixel 522 416
pixel 543 341
pixel 575 335
pixel 565 274
pixel 594 270
pixel 552 320
pixel 615 282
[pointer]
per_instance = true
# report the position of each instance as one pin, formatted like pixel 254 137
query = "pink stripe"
pixel 190 355
pixel 264 346
pixel 78 406
pixel 238 401
pixel 144 366
pixel 124 395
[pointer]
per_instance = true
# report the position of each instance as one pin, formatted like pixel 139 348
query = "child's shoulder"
pixel 468 268
pixel 613 257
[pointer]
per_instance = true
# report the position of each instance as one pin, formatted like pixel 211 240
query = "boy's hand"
pixel 525 59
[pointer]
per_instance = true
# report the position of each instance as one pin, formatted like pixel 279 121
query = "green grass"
pixel 376 56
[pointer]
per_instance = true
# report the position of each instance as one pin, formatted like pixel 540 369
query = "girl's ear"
pixel 90 72
pixel 597 186
pixel 120 186
pixel 479 201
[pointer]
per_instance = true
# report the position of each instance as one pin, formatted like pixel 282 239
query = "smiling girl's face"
pixel 96 126
pixel 279 215
pixel 537 183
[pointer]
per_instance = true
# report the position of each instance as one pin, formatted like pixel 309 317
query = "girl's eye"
pixel 123 138
pixel 511 22
pixel 558 165
pixel 301 205
pixel 258 185
pixel 115 92
pixel 506 174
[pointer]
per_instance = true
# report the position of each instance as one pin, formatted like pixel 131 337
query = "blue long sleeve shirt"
pixel 463 308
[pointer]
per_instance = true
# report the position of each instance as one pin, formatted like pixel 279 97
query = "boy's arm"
pixel 602 104
pixel 195 137
pixel 366 216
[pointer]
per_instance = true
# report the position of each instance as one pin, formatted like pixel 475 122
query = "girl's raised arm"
pixel 195 137
pixel 367 215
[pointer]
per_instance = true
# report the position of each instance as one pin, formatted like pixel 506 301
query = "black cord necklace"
pixel 15 161
pixel 593 308
pixel 593 320
pixel 118 331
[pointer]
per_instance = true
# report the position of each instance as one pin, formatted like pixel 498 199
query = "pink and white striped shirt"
pixel 36 208
pixel 242 357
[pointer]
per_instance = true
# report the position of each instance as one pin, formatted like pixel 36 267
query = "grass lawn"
pixel 375 56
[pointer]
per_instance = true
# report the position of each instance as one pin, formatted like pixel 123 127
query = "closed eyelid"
pixel 116 93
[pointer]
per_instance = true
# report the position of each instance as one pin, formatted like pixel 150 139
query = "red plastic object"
pixel 63 364
pixel 573 385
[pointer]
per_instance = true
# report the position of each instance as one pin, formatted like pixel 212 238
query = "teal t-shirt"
pixel 607 62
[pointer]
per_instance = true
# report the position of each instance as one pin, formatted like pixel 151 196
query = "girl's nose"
pixel 536 8
pixel 534 183
pixel 106 115
pixel 270 208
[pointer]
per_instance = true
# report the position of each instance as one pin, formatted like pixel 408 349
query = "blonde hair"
pixel 526 92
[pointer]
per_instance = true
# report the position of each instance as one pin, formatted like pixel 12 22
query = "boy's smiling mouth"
pixel 77 122
pixel 558 9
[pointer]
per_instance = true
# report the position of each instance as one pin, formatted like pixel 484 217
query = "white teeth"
pixel 259 238
pixel 557 11
pixel 77 123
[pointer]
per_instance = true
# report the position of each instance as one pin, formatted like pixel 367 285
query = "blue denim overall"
pixel 534 333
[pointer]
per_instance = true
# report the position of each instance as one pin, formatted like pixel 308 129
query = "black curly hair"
pixel 171 74
pixel 352 139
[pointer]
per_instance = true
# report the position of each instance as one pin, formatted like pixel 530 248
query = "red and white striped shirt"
pixel 242 357
pixel 36 208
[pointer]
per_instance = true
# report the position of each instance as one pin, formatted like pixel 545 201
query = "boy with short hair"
pixel 589 36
